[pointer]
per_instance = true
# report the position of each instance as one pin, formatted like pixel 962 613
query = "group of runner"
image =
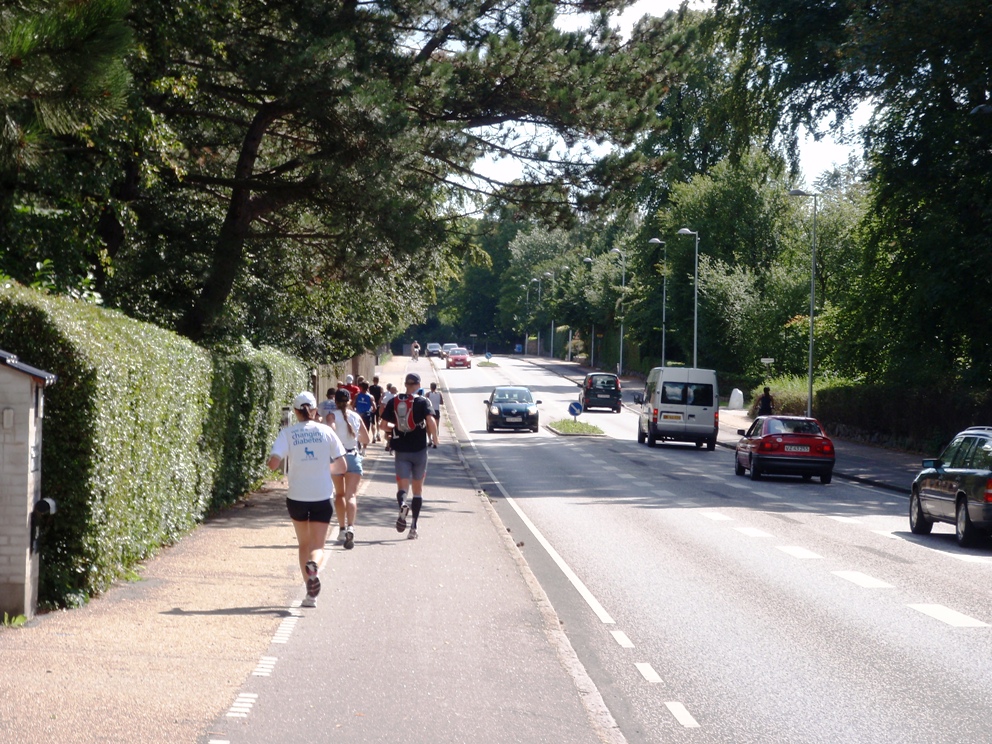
pixel 354 414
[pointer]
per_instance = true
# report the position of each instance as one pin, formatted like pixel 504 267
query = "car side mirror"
pixel 741 433
pixel 485 402
pixel 537 402
pixel 639 398
pixel 936 464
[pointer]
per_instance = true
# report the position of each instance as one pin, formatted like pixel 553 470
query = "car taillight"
pixel 988 491
pixel 768 445
pixel 589 384
pixel 827 448
pixel 618 383
pixel 716 419
pixel 654 415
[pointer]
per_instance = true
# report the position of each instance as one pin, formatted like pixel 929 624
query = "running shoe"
pixel 313 583
pixel 308 602
pixel 349 539
pixel 401 519
pixel 341 534
pixel 413 534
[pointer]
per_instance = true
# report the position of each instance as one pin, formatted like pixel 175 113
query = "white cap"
pixel 349 379
pixel 304 399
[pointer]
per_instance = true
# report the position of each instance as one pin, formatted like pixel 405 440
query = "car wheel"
pixel 826 477
pixel 535 429
pixel 711 444
pixel 738 468
pixel 640 435
pixel 490 428
pixel 618 408
pixel 918 523
pixel 964 530
pixel 652 439
pixel 753 467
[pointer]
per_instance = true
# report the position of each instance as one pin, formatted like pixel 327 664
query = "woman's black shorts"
pixel 310 511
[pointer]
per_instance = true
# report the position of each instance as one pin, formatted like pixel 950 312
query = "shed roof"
pixel 13 362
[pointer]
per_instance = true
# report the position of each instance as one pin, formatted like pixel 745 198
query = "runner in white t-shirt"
pixel 351 430
pixel 314 453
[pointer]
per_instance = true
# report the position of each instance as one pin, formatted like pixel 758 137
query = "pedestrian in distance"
pixel 364 406
pixel 415 349
pixel 410 418
pixel 437 400
pixel 766 403
pixel 327 405
pixel 375 390
pixel 351 430
pixel 387 396
pixel 314 454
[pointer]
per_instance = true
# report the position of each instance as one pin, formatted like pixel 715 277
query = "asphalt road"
pixel 709 608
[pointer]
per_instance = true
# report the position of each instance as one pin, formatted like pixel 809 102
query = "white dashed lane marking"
pixel 648 672
pixel 681 714
pixel 663 493
pixel 949 616
pixel 863 580
pixel 752 532
pixel 621 638
pixel 847 520
pixel 797 552
pixel 717 517
pixel 265 666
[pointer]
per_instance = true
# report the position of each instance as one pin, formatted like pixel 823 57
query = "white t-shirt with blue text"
pixel 309 447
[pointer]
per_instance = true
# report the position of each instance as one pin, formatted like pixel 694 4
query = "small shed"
pixel 22 405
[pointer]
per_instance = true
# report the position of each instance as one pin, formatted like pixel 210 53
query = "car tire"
pixel 490 428
pixel 711 444
pixel 640 435
pixel 619 408
pixel 755 471
pixel 825 478
pixel 918 522
pixel 535 429
pixel 652 439
pixel 964 530
pixel 738 468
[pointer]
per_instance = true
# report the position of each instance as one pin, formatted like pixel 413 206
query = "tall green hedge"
pixel 143 432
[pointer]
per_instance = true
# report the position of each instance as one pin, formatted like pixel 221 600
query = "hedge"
pixel 144 431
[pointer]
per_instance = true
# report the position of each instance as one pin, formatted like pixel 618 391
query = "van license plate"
pixel 513 419
pixel 671 417
pixel 796 448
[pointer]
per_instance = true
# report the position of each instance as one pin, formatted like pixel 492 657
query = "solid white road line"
pixel 846 520
pixel 648 672
pixel 863 580
pixel 621 638
pixel 949 616
pixel 752 532
pixel 797 552
pixel 681 714
pixel 581 588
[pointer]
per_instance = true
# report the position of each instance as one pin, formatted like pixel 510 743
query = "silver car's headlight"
pixel 494 410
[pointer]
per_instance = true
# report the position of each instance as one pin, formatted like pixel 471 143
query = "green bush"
pixel 143 432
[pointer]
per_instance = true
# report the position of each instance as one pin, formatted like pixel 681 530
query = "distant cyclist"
pixel 416 350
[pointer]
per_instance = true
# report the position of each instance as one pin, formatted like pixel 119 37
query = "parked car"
pixel 600 390
pixel 511 408
pixel 447 348
pixel 680 404
pixel 433 349
pixel 785 445
pixel 956 488
pixel 458 357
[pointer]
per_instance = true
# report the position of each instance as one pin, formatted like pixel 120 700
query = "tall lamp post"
pixel 538 280
pixel 551 351
pixel 526 314
pixel 623 286
pixel 695 295
pixel 812 297
pixel 664 296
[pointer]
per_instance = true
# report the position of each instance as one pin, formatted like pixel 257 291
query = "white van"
pixel 679 404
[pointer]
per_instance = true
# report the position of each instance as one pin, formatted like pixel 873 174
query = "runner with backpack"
pixel 410 418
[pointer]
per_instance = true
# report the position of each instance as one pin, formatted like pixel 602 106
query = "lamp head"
pixel 686 231
pixel 799 192
pixel 655 241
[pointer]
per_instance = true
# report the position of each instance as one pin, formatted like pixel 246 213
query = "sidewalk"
pixel 876 466
pixel 164 658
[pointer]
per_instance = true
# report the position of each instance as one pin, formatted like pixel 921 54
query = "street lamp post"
pixel 695 295
pixel 664 296
pixel 623 287
pixel 526 314
pixel 812 297
pixel 538 280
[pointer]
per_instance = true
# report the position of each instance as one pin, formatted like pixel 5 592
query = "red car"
pixel 785 445
pixel 458 357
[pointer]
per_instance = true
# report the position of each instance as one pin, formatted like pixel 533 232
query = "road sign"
pixel 767 360
pixel 488 356
pixel 575 408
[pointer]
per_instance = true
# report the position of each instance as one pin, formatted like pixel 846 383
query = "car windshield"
pixel 459 352
pixel 512 396
pixel 791 426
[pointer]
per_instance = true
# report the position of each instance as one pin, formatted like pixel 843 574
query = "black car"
pixel 600 390
pixel 511 408
pixel 956 488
